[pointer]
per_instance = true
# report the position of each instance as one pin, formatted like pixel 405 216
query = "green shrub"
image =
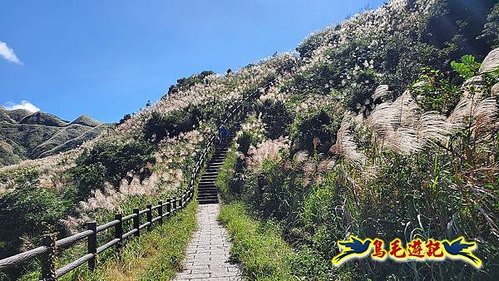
pixel 467 67
pixel 358 93
pixel 227 179
pixel 464 22
pixel 160 126
pixel 110 161
pixel 258 246
pixel 26 213
pixel 88 177
pixel 318 125
pixel 244 142
pixel 185 83
pixel 125 118
pixel 434 91
pixel 276 117
pixel 491 27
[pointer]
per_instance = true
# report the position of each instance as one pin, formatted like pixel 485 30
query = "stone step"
pixel 206 187
pixel 207 182
pixel 210 174
pixel 211 195
pixel 213 168
pixel 212 190
pixel 208 196
pixel 208 179
pixel 207 201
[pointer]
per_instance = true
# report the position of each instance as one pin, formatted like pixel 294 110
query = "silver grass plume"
pixel 475 112
pixel 345 145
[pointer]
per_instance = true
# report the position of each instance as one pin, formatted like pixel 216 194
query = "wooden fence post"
pixel 118 231
pixel 48 259
pixel 136 221
pixel 160 212
pixel 149 216
pixel 169 207
pixel 92 244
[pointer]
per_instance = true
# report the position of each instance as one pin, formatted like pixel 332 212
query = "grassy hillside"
pixel 147 155
pixel 384 125
pixel 388 127
pixel 26 135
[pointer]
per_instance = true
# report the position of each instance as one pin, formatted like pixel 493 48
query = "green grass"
pixel 226 174
pixel 258 246
pixel 156 255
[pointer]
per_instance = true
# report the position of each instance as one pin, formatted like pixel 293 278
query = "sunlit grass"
pixel 264 255
pixel 156 255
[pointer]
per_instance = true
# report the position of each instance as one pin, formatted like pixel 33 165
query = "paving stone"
pixel 208 251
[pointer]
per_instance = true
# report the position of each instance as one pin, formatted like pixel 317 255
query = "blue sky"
pixel 106 58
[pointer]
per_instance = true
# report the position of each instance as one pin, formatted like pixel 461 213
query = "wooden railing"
pixel 153 215
pixel 47 253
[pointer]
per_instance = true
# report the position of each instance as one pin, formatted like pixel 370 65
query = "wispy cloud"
pixel 8 54
pixel 24 104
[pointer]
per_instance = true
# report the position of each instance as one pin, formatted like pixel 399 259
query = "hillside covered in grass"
pixel 388 127
pixel 27 135
pixel 384 125
pixel 146 157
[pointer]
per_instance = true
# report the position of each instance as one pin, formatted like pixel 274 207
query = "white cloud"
pixel 8 54
pixel 24 104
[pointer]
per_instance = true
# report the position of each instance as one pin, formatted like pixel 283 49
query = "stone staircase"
pixel 207 191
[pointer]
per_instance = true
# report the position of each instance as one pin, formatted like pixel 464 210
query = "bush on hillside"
pixel 464 22
pixel 467 67
pixel 25 213
pixel 491 29
pixel 160 126
pixel 434 91
pixel 185 83
pixel 276 117
pixel 110 161
pixel 315 132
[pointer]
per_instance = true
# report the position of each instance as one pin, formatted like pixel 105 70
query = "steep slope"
pixel 4 117
pixel 86 120
pixel 17 114
pixel 44 119
pixel 384 130
pixel 369 129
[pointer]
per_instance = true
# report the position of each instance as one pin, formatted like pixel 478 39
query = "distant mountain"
pixel 86 120
pixel 41 118
pixel 27 135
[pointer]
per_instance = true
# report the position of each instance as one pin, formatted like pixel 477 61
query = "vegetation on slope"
pixel 369 129
pixel 156 255
pixel 393 134
pixel 146 156
pixel 258 246
pixel 26 135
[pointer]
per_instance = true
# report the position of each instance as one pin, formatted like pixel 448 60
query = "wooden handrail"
pixel 68 241
pixel 16 260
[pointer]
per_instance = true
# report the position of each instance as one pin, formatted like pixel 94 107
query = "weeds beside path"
pixel 156 255
pixel 263 254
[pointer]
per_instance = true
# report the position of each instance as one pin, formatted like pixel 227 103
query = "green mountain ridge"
pixel 27 135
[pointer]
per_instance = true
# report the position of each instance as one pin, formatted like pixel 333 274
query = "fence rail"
pixel 154 215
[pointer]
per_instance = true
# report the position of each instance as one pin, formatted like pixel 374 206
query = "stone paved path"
pixel 208 251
